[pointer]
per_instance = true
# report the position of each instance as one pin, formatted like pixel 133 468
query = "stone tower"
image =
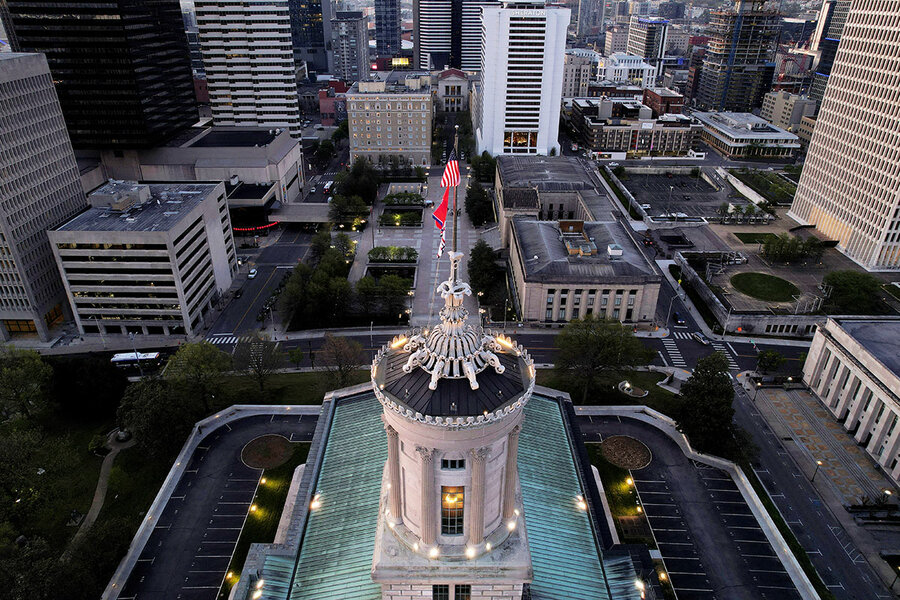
pixel 451 523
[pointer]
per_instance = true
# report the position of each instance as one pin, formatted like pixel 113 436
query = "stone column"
pixel 512 471
pixel 394 503
pixel 428 496
pixel 476 496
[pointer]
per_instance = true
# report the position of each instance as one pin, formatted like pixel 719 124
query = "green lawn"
pixel 768 184
pixel 764 287
pixel 261 524
pixel 751 237
pixel 607 393
pixel 622 498
pixel 282 388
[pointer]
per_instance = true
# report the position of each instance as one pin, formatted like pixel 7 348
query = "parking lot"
pixel 711 544
pixel 188 553
pixel 690 196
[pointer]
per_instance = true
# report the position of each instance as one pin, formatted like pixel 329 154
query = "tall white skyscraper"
pixel 249 60
pixel 448 33
pixel 518 102
pixel 39 189
pixel 850 182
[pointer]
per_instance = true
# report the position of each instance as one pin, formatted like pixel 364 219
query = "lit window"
pixel 452 501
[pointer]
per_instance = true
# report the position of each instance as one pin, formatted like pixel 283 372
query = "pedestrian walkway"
pixel 681 335
pixel 674 353
pixel 732 364
pixel 226 339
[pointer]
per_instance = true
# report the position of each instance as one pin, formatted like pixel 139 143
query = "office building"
pixel 310 32
pixel 628 129
pixel 452 91
pixel 448 34
pixel 262 168
pixel 824 43
pixel 786 110
pixel 387 27
pixel 663 101
pixel 122 69
pixel 590 16
pixel 577 71
pixel 390 116
pixel 805 130
pixel 738 67
pixel 671 10
pixel 848 189
pixel 147 258
pixel 647 38
pixel 39 189
pixel 853 368
pixel 744 135
pixel 350 46
pixel 517 106
pixel 626 68
pixel 249 61
pixel 616 40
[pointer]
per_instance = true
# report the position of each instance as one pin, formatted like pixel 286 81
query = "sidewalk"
pixel 828 490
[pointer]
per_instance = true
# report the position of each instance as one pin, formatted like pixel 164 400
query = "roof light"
pixel 260 583
pixel 488 546
pixel 398 342
pixel 470 552
pixel 257 594
pixel 434 552
pixel 511 525
pixel 316 502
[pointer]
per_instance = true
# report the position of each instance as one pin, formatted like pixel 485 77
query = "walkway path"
pixel 114 447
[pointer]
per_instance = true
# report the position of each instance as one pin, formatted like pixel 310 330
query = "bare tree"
pixel 340 357
pixel 259 356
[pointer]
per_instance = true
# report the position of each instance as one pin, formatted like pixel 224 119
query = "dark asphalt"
pixel 189 551
pixel 835 557
pixel 711 544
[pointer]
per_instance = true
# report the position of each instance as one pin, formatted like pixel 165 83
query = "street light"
pixel 818 464
pixel 669 203
pixel 756 391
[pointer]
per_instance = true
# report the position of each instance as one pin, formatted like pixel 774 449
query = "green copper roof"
pixel 336 552
pixel 564 555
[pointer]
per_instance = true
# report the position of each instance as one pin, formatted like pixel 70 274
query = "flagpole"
pixel 455 187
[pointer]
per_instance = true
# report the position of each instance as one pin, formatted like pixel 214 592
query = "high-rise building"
pixel 249 62
pixel 647 38
pixel 39 189
pixel 848 189
pixel 387 27
pixel 786 110
pixel 121 68
pixel 738 68
pixel 576 75
pixel 590 15
pixel 824 43
pixel 350 45
pixel 310 30
pixel 616 41
pixel 448 33
pixel 517 105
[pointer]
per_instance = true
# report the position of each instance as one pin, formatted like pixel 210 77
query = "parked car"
pixel 646 206
pixel 253 272
pixel 613 164
pixel 312 190
pixel 698 336
pixel 679 320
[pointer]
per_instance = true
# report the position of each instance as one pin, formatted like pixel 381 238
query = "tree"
pixel 320 243
pixel 86 386
pixel 340 357
pixel 394 292
pixel 259 356
pixel 341 133
pixel 853 292
pixel 484 166
pixel 325 151
pixel 478 205
pixel 197 370
pixel 158 418
pixel 723 209
pixel 704 413
pixel 24 377
pixel 768 360
pixel 367 294
pixel 481 267
pixel 589 347
pixel 361 180
pixel 347 209
pixel 296 356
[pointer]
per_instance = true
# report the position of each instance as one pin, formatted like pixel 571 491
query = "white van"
pixel 327 187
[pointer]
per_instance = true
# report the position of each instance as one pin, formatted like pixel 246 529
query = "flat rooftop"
pixel 742 125
pixel 879 337
pixel 546 173
pixel 235 138
pixel 554 264
pixel 169 203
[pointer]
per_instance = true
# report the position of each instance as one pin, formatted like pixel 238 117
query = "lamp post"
pixel 886 496
pixel 818 464
pixel 671 302
pixel 669 203
pixel 756 391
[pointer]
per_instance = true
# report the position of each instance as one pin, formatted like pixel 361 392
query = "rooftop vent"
pixel 614 251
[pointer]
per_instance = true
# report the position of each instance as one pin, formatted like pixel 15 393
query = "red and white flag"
pixel 440 213
pixel 451 172
pixel 443 244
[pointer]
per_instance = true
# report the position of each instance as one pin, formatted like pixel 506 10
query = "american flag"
pixel 451 172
